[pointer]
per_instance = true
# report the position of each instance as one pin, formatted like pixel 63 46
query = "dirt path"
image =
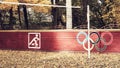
pixel 64 59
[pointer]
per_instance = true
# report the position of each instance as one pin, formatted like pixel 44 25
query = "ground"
pixel 61 59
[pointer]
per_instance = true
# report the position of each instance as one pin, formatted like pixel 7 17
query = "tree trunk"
pixel 11 17
pixel 54 13
pixel 25 16
pixel 1 20
pixel 19 16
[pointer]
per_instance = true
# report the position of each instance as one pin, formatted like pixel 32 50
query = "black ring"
pixel 101 49
pixel 97 39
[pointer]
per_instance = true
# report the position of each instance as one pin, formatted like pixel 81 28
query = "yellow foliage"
pixel 35 8
pixel 117 10
pixel 8 6
pixel 42 9
pixel 29 1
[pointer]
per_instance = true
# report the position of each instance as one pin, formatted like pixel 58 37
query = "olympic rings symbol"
pixel 100 40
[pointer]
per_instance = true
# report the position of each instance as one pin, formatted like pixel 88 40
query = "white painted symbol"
pixel 34 40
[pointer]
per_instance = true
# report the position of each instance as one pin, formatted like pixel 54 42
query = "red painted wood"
pixel 53 41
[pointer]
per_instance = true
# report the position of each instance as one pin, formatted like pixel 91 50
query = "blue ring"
pixel 77 37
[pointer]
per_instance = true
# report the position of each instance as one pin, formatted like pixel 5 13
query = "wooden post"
pixel 69 14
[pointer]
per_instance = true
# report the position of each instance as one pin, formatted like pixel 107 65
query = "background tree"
pixel 102 14
pixel 77 13
pixel 36 9
pixel 116 10
pixel 8 10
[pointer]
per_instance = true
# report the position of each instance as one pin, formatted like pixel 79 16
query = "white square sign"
pixel 34 40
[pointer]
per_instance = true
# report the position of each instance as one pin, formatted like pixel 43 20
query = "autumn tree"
pixel 102 13
pixel 117 11
pixel 42 9
pixel 12 8
pixel 9 8
pixel 37 9
pixel 77 14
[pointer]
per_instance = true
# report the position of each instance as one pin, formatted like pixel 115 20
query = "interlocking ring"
pixel 97 39
pixel 99 48
pixel 80 33
pixel 87 48
pixel 111 38
pixel 94 43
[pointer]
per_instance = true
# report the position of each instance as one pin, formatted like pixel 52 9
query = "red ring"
pixel 111 38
